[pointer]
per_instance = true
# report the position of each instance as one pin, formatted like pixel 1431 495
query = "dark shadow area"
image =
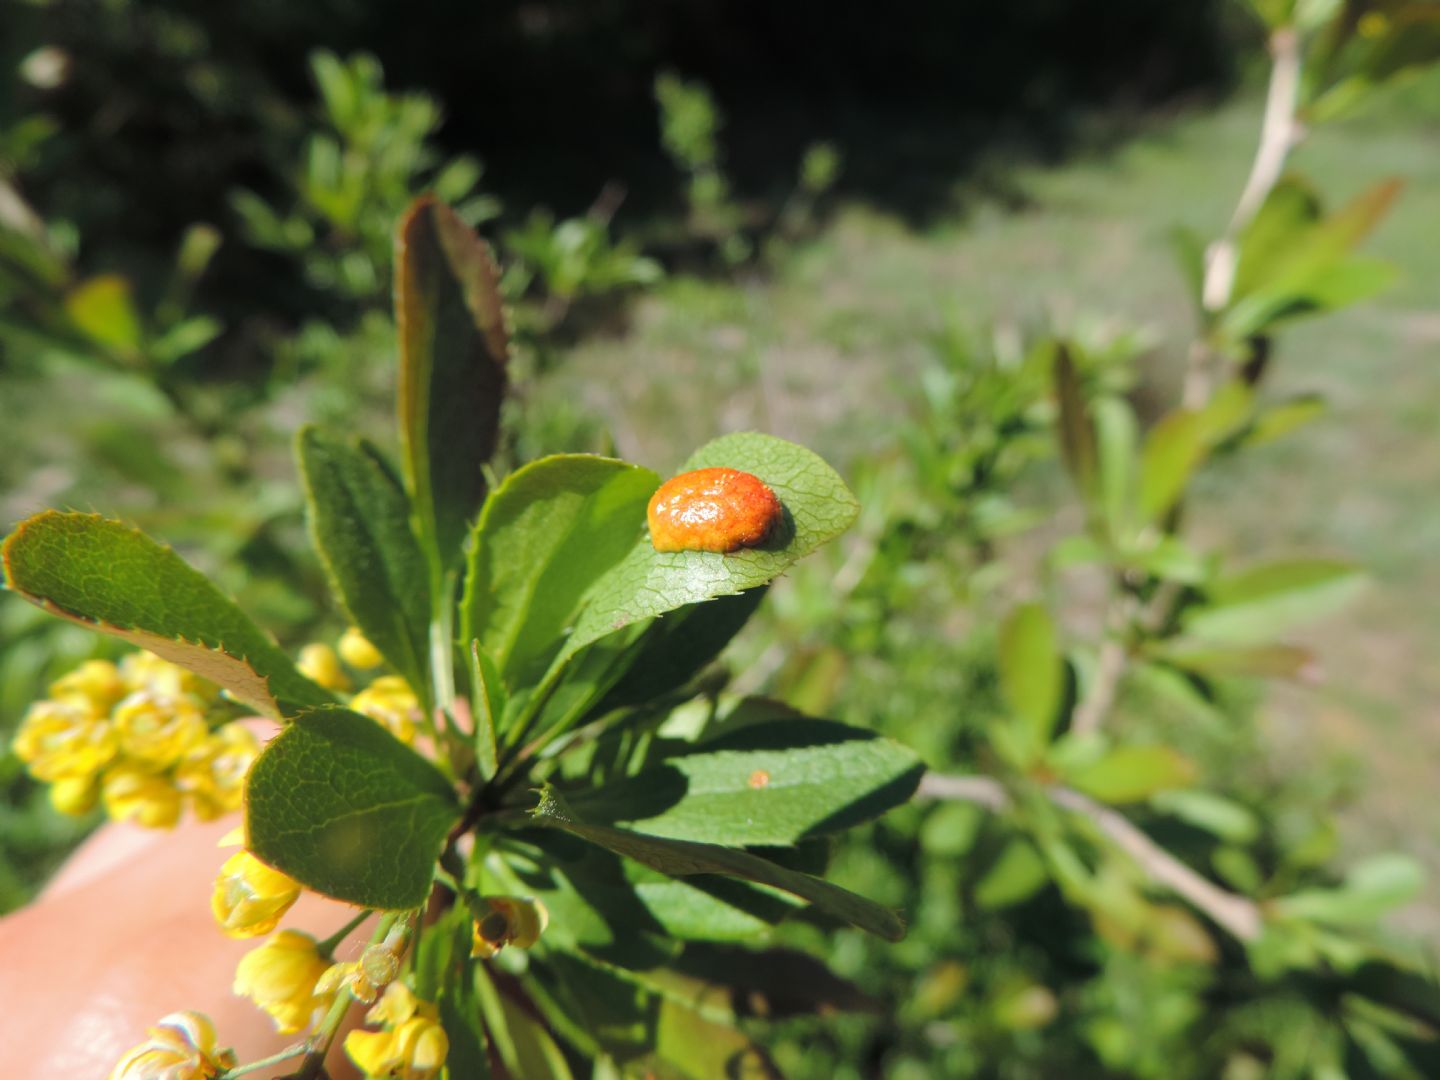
pixel 175 98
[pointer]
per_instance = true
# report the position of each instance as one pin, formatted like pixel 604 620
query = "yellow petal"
pixel 356 650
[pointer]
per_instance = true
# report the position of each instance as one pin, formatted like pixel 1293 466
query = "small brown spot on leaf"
pixel 759 779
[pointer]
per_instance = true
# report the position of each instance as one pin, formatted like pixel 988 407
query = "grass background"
pixel 824 350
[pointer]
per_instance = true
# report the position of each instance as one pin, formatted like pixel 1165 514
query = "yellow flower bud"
pixel 133 792
pixel 280 976
pixel 356 650
pixel 379 964
pixel 75 795
pixel 511 920
pixel 319 663
pixel 60 739
pixel 146 671
pixel 414 1047
pixel 158 730
pixel 213 773
pixel 97 682
pixel 180 1047
pixel 347 976
pixel 250 898
pixel 390 701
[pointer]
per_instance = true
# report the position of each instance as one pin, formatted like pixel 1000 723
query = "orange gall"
pixel 719 510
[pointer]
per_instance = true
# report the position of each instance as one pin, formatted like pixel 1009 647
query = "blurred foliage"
pixel 962 617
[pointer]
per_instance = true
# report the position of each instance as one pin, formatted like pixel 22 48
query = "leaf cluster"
pixel 554 650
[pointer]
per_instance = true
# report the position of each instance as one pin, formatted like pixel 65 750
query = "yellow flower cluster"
pixel 136 736
pixel 412 1046
pixel 181 1047
pixel 388 699
pixel 391 703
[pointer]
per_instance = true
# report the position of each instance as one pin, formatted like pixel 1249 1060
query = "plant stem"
pixel 1238 915
pixel 327 947
pixel 273 1059
pixel 325 1031
pixel 1114 657
pixel 1279 132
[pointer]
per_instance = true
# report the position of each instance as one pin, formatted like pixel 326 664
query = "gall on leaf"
pixel 716 509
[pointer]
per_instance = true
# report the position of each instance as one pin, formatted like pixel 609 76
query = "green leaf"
pixel 544 538
pixel 1032 672
pixel 1222 817
pixel 1179 442
pixel 1077 435
pixel 661 1022
pixel 1285 417
pixel 575 691
pixel 185 337
pixel 453 358
pixel 818 507
pixel 1264 601
pixel 599 1010
pixel 104 310
pixel 1273 661
pixel 702 1050
pixel 486 708
pixel 360 523
pixel 1132 773
pixel 682 858
pixel 772 784
pixel 115 579
pixel 1371 890
pixel 1016 875
pixel 619 910
pixel 1116 435
pixel 1292 261
pixel 348 810
pixel 677 646
pixel 1288 213
pixel 523 1045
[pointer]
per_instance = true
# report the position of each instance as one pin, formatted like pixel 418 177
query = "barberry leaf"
pixel 677 646
pixel 114 579
pixel 1032 671
pixel 360 522
pixel 682 858
pixel 453 358
pixel 348 810
pixel 769 784
pixel 817 508
pixel 1132 773
pixel 544 538
pixel 1266 600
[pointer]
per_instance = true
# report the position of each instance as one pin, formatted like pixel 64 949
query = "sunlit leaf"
pixel 1032 672
pixel 360 521
pixel 453 358
pixel 116 580
pixel 682 858
pixel 772 784
pixel 348 810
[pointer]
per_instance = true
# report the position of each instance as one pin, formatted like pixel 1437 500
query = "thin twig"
pixel 1114 657
pixel 1236 914
pixel 1279 132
